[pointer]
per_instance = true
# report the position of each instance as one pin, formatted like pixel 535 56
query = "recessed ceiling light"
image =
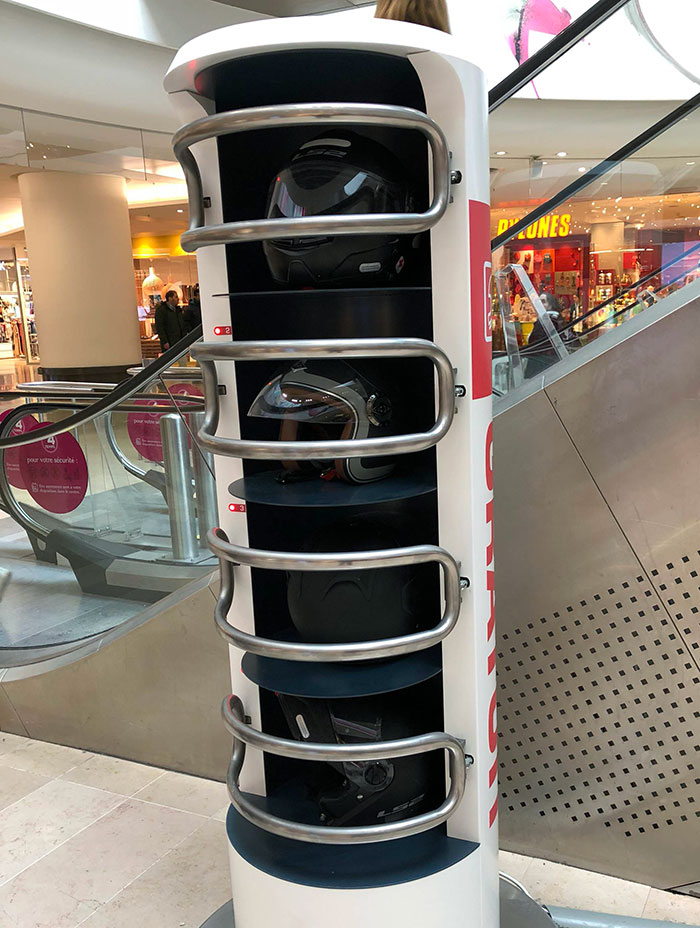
pixel 690 162
pixel 562 154
pixel 181 211
pixel 582 170
pixel 501 152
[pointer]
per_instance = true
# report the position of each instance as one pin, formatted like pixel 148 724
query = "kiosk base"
pixel 518 910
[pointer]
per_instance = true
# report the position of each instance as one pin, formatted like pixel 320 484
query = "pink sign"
pixel 143 428
pixel 55 473
pixel 14 455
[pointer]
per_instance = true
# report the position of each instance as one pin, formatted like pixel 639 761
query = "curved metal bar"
pixel 304 114
pixel 207 354
pixel 230 554
pixel 233 716
pixel 128 465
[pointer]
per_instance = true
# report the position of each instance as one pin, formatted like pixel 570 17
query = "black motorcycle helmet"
pixel 339 173
pixel 327 400
pixel 337 606
pixel 368 792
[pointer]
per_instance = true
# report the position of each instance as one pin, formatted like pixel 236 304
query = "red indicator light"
pixel 236 507
pixel 222 330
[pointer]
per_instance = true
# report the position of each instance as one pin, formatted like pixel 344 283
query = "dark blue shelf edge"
pixel 361 866
pixel 342 680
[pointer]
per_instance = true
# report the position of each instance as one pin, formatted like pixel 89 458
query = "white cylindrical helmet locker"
pixel 249 97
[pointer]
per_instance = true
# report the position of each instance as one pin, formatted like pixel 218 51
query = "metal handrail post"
pixel 178 470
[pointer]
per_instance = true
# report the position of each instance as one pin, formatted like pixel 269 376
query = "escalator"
pixel 121 529
pixel 596 435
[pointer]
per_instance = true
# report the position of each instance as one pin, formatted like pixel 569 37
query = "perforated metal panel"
pixel 598 611
pixel 599 718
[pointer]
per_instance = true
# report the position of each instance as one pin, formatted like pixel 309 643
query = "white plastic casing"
pixel 465 894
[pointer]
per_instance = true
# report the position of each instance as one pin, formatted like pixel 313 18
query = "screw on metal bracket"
pixel 464 583
pixel 456 177
pixel 221 390
pixel 460 390
pixel 248 719
pixel 206 202
pixel 468 760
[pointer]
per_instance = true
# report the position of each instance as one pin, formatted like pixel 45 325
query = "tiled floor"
pixel 105 843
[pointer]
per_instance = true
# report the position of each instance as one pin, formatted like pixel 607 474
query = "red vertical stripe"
pixel 480 270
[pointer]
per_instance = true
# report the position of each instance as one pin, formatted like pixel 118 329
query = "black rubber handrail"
pixel 553 50
pixel 600 169
pixel 123 391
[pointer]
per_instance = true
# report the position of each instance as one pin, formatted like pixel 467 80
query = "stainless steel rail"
pixel 207 354
pixel 303 114
pixel 243 734
pixel 230 554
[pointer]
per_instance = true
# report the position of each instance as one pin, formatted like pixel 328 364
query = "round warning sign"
pixel 55 473
pixel 13 455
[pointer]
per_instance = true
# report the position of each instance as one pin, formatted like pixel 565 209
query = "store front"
pixel 599 258
pixel 160 265
pixel 18 338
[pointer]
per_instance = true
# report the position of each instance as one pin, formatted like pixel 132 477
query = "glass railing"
pixel 532 330
pixel 116 505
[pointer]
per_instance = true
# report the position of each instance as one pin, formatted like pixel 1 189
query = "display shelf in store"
pixel 362 866
pixel 267 490
pixel 342 680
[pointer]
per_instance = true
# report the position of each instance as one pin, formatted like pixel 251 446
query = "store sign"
pixel 13 455
pixel 55 473
pixel 552 226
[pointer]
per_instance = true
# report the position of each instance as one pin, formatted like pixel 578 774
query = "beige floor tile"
pixel 555 884
pixel 514 865
pixel 182 889
pixel 191 794
pixel 46 818
pixel 672 907
pixel 9 742
pixel 113 774
pixel 94 865
pixel 220 816
pixel 42 757
pixel 15 784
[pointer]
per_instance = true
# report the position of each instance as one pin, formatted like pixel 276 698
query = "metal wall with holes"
pixel 598 597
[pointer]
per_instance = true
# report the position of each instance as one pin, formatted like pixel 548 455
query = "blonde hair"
pixel 431 13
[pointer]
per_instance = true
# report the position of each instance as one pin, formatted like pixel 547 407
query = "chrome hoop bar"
pixel 233 716
pixel 304 114
pixel 208 353
pixel 230 554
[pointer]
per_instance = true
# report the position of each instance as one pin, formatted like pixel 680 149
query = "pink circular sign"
pixel 55 473
pixel 13 455
pixel 143 428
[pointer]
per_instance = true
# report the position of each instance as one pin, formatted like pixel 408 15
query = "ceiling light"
pixel 562 154
pixel 617 199
pixel 582 170
pixel 545 162
pixel 181 211
pixel 690 162
pixel 501 152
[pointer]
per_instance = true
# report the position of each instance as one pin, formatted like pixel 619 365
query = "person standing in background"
pixel 193 313
pixel 169 322
pixel 431 13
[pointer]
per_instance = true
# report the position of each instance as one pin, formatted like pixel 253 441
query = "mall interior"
pixel 352 572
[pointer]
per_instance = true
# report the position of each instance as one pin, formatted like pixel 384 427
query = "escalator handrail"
pixel 600 169
pixel 123 391
pixel 553 50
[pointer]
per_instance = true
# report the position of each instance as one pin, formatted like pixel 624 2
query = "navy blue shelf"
pixel 344 679
pixel 330 866
pixel 268 491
